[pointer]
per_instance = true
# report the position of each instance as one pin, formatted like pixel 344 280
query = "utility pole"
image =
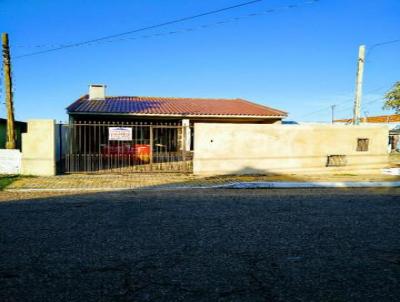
pixel 10 142
pixel 359 80
pixel 366 113
pixel 333 113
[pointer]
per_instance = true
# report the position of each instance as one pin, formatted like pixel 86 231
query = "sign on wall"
pixel 119 134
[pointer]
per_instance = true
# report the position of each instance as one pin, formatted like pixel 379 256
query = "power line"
pixel 141 29
pixel 373 101
pixel 365 104
pixel 317 111
pixel 384 43
pixel 204 26
pixel 184 30
pixel 351 107
pixel 373 46
pixel 326 108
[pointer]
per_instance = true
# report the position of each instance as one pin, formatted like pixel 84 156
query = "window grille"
pixel 336 161
pixel 362 144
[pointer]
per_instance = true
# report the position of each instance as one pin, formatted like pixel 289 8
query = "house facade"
pixel 113 132
pixel 189 135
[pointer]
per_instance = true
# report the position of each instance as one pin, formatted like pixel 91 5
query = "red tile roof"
pixel 144 105
pixel 392 118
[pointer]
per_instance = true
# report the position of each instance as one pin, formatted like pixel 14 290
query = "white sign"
pixel 119 134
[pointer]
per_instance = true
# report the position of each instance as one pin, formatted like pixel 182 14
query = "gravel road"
pixel 202 245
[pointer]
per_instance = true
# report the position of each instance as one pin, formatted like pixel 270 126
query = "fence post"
pixel 151 147
pixel 184 147
pixel 60 149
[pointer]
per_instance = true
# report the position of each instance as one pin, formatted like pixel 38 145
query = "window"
pixel 362 144
pixel 336 161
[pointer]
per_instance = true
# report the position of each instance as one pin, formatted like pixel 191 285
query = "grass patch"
pixel 6 180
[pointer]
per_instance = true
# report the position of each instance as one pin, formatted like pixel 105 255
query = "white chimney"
pixel 97 92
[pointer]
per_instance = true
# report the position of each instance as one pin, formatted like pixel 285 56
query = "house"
pixel 110 132
pixel 391 120
pixel 20 127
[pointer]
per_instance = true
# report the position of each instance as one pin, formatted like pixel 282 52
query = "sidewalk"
pixel 112 182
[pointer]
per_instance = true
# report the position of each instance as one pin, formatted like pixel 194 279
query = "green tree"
pixel 392 98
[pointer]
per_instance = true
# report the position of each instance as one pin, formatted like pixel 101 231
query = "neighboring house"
pixel 391 120
pixel 20 127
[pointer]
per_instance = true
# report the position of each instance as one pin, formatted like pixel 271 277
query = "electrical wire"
pixel 191 29
pixel 326 108
pixel 141 29
pixel 233 19
pixel 373 46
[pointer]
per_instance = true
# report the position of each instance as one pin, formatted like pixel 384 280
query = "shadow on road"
pixel 202 245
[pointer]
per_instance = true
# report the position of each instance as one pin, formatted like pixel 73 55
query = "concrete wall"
pixel 252 148
pixel 38 148
pixel 10 161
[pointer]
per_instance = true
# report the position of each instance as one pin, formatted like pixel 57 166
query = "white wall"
pixel 10 161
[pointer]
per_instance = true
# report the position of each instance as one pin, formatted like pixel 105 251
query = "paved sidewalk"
pixel 93 181
pixel 110 182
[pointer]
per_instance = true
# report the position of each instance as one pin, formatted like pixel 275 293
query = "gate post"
pixel 184 147
pixel 151 147
pixel 185 141
pixel 39 148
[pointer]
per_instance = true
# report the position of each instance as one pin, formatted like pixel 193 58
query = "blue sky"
pixel 300 60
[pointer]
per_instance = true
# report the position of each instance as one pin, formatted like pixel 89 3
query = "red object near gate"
pixel 142 152
pixel 137 152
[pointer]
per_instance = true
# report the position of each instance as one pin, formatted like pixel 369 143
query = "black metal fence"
pixel 86 147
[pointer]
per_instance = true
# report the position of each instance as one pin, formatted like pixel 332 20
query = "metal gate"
pixel 87 147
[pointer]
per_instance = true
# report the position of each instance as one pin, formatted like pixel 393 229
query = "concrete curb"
pixel 68 189
pixel 237 185
pixel 289 185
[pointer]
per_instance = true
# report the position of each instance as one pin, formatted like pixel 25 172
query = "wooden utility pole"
pixel 333 113
pixel 359 80
pixel 10 142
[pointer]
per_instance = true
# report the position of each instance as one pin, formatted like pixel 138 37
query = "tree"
pixel 392 98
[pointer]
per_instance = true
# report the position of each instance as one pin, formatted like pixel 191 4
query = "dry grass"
pixel 394 159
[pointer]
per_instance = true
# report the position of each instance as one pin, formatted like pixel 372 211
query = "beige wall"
pixel 257 148
pixel 38 148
